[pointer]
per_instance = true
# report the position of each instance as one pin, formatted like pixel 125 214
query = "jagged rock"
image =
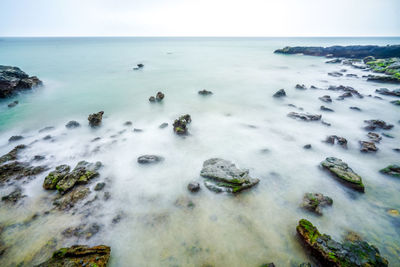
pixel 349 91
pixel 75 256
pixel 163 125
pixel 13 197
pixel 52 179
pixel 304 116
pixel 193 187
pixel 18 170
pixel 300 87
pixel 12 155
pixel 308 146
pixel 68 200
pixel 99 186
pixel 355 108
pixel 335 74
pixel 323 108
pixel 325 98
pixel 315 202
pixel 205 92
pixel 334 61
pixel 374 124
pixel 15 138
pixel 152 99
pixel 13 104
pixel 343 172
pixel 82 230
pixel 392 170
pixel 340 140
pixel 223 176
pixel 13 79
pixel 374 137
pixel 95 119
pixel 147 159
pixel 72 125
pixel 368 146
pixel 160 96
pixel 180 125
pixel 385 91
pixel 280 93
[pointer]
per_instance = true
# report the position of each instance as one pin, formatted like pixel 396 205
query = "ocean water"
pixel 238 122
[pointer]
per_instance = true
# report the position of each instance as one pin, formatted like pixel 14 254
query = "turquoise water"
pixel 86 75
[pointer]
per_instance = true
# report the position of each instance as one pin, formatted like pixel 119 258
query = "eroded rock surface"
pixel 13 79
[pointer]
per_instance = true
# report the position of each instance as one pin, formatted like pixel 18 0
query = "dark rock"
pixel 335 74
pixel 334 61
pixel 52 179
pixel 146 159
pixel 340 140
pixel 343 172
pixel 374 137
pixel 163 125
pixel 13 104
pixel 205 92
pixel 351 75
pixel 47 137
pixel 73 124
pixel 354 51
pixel 137 130
pixel 300 87
pixel 304 116
pixel 97 256
pixel 223 176
pixel 12 155
pixel 18 170
pixel 325 98
pixel 152 99
pixel 13 197
pixel 15 138
pixel 46 129
pixel 313 87
pixel 396 150
pixel 193 187
pixel 82 230
pixel 38 157
pixel 377 124
pixel 99 186
pixel 332 253
pixel 385 91
pixel 387 135
pixel 355 108
pixel 346 89
pixel 392 170
pixel 180 125
pixel 280 93
pixel 160 96
pixel 344 95
pixel 95 119
pixel 395 102
pixel 323 108
pixel 13 79
pixel 68 200
pixel 308 146
pixel 383 79
pixel 315 202
pixel 128 123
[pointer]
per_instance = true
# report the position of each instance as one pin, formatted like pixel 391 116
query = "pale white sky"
pixel 200 18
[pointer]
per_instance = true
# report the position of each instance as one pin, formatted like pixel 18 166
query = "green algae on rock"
pixel 180 124
pixel 51 180
pixel 315 202
pixel 96 256
pixel 392 170
pixel 332 253
pixel 344 173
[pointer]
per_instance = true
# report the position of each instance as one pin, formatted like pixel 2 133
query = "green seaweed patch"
pixel 309 230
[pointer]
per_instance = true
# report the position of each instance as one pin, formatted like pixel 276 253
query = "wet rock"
pixel 223 176
pixel 348 91
pixel 334 61
pixel 300 87
pixel 12 155
pixel 343 173
pixel 46 129
pixel 392 170
pixel 374 137
pixel 325 98
pixel 205 92
pixel 340 140
pixel 377 124
pixel 82 230
pixel 163 125
pixel 304 116
pixel 72 125
pixel 193 187
pixel 355 108
pixel 335 74
pixel 315 202
pixel 95 119
pixel 13 197
pixel 79 256
pixel 383 79
pixel 323 108
pixel 99 186
pixel 385 91
pixel 332 253
pixel 387 135
pixel 127 123
pixel 13 79
pixel 13 104
pixel 308 146
pixel 15 138
pixel 52 179
pixel 180 125
pixel 152 99
pixel 159 96
pixel 147 159
pixel 68 200
pixel 280 93
pixel 395 102
pixel 18 170
pixel 351 75
pixel 38 158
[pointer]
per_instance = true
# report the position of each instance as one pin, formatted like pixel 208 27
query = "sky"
pixel 200 18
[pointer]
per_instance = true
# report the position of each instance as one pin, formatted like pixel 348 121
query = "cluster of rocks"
pixel 159 97
pixel 348 91
pixel 392 170
pixel 13 79
pixel 180 124
pixel 368 146
pixel 377 124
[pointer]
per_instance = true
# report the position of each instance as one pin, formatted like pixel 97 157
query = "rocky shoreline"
pixel 13 80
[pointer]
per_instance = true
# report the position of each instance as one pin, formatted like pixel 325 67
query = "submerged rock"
pixel 51 180
pixel 68 200
pixel 323 108
pixel 325 98
pixel 13 197
pixel 385 91
pixel 223 176
pixel 395 102
pixel 13 104
pixel 99 186
pixel 13 79
pixel 340 140
pixel 392 170
pixel 163 125
pixel 147 159
pixel 355 108
pixel 78 255
pixel 304 116
pixel 344 173
pixel 180 125
pixel 315 202
pixel 18 170
pixel 95 119
pixel 335 74
pixel 193 187
pixel 72 125
pixel 280 93
pixel 12 155
pixel 82 230
pixel 368 146
pixel 377 124
pixel 332 253
pixel 301 87
pixel 205 92
pixel 374 137
pixel 15 138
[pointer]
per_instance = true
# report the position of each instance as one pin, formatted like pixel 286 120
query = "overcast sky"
pixel 200 18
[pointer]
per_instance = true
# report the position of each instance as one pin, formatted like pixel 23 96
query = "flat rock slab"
pixel 148 159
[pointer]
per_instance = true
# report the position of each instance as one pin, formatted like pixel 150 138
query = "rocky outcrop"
pixel 95 119
pixel 343 173
pixel 315 202
pixel 52 179
pixel 340 140
pixel 392 170
pixel 223 176
pixel 97 256
pixel 385 91
pixel 147 159
pixel 13 79
pixel 377 124
pixel 18 170
pixel 280 93
pixel 367 147
pixel 180 124
pixel 304 116
pixel 12 155
pixel 334 254
pixel 205 92
pixel 354 51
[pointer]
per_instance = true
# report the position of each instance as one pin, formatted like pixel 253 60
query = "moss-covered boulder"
pixel 180 124
pixel 332 253
pixel 343 172
pixel 51 180
pixel 315 202
pixel 97 256
pixel 392 170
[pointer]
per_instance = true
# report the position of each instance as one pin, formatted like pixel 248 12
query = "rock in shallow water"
pixel 304 116
pixel 377 124
pixel 368 147
pixel 280 93
pixel 180 125
pixel 13 79
pixel 193 187
pixel 95 119
pixel 205 92
pixel 147 159
pixel 72 125
pixel 51 180
pixel 344 173
pixel 223 176
pixel 315 202
pixel 392 170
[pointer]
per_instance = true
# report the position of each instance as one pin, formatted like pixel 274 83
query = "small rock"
pixel 128 123
pixel 374 137
pixel 368 146
pixel 163 125
pixel 99 186
pixel 280 93
pixel 335 74
pixel 377 124
pixel 355 108
pixel 387 135
pixel 159 96
pixel 193 187
pixel 95 119
pixel 15 138
pixel 72 125
pixel 180 124
pixel 340 140
pixel 325 98
pixel 392 170
pixel 323 108
pixel 304 116
pixel 308 146
pixel 152 99
pixel 46 129
pixel 300 87
pixel 13 104
pixel 38 157
pixel 205 92
pixel 315 202
pixel 146 159
pixel 137 130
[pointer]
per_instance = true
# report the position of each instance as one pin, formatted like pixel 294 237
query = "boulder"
pixel 377 124
pixel 332 253
pixel 95 119
pixel 280 93
pixel 205 92
pixel 72 125
pixel 368 146
pixel 52 179
pixel 392 170
pixel 193 187
pixel 79 255
pixel 13 79
pixel 304 116
pixel 315 202
pixel 343 173
pixel 325 98
pixel 180 124
pixel 223 176
pixel 147 159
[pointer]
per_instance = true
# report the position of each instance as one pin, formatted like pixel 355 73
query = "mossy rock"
pixel 392 170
